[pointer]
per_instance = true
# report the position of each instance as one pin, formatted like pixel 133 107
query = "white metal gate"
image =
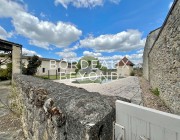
pixel 135 122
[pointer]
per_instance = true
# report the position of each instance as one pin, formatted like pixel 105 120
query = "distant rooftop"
pixel 43 59
pixel 125 61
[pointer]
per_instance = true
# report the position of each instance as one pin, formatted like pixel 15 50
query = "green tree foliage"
pixel 6 74
pixel 87 61
pixel 132 73
pixel 103 68
pixel 33 63
pixel 24 69
pixel 3 74
pixel 78 67
pixel 9 70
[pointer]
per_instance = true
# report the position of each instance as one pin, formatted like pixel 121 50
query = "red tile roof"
pixel 125 61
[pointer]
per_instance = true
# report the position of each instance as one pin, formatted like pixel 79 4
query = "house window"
pixel 43 70
pixel 58 69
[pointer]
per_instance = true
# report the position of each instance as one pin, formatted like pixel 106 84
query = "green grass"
pixel 155 91
pixel 87 81
pixel 53 77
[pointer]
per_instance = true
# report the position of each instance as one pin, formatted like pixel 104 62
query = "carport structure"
pixel 16 51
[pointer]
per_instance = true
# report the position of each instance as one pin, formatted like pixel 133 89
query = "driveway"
pixel 128 88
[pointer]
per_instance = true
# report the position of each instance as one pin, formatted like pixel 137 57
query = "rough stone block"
pixel 57 111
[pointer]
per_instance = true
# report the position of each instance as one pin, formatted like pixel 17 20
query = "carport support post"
pixel 48 75
pixel 16 59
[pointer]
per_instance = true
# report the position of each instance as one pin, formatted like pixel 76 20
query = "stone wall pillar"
pixel 16 59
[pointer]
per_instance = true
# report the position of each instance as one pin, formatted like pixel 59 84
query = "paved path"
pixel 128 88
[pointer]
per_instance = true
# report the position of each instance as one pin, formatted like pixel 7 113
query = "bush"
pixel 138 72
pixel 155 91
pixel 6 74
pixel 3 74
pixel 9 70
pixel 24 69
pixel 132 73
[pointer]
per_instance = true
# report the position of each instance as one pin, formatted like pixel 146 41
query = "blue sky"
pixel 70 29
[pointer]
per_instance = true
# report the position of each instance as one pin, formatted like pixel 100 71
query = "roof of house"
pixel 125 61
pixel 44 59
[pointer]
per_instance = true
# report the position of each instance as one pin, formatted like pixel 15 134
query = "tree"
pixel 33 63
pixel 6 74
pixel 9 70
pixel 88 61
pixel 84 62
pixel 104 69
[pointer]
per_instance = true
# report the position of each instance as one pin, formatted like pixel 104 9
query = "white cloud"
pixel 94 54
pixel 4 34
pixel 140 51
pixel 110 58
pixel 108 61
pixel 40 33
pixel 42 15
pixel 136 58
pixel 170 4
pixel 71 49
pixel 83 3
pixel 67 55
pixel 111 61
pixel 115 1
pixel 124 41
pixel 29 52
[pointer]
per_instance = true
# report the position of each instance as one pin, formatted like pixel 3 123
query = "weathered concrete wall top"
pixel 56 111
pixel 164 60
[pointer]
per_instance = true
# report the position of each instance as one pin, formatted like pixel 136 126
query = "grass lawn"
pixel 53 77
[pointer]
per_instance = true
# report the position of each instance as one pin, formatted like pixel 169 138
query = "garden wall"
pixel 164 60
pixel 54 111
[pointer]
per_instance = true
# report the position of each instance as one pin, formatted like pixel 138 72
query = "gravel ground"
pixel 149 99
pixel 10 125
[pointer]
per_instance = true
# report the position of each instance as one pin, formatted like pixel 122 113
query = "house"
pixel 124 67
pixel 51 66
pixel 71 68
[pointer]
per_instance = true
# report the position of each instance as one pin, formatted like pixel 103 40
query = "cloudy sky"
pixel 70 29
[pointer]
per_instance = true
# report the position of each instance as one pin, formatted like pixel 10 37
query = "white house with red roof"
pixel 124 67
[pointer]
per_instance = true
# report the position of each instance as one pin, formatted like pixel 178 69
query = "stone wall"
pixel 164 60
pixel 149 42
pixel 54 111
